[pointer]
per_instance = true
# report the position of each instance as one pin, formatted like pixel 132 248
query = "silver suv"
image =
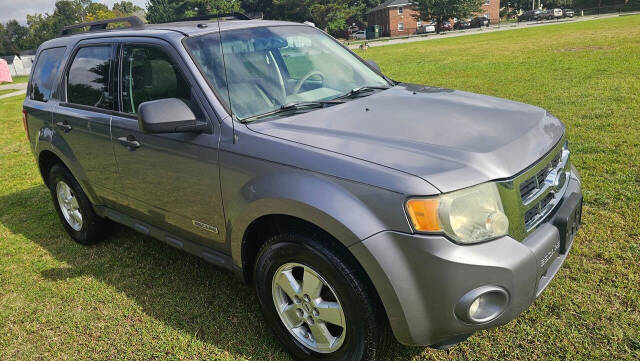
pixel 360 208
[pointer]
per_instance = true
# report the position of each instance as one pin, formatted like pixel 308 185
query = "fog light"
pixel 483 304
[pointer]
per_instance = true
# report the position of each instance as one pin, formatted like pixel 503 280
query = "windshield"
pixel 271 67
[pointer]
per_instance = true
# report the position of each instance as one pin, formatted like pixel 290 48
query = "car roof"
pixel 191 28
pixel 168 30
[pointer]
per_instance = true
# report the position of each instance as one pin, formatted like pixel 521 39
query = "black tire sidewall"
pixel 299 249
pixel 90 222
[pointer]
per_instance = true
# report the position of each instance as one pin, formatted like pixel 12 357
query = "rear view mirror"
pixel 170 115
pixel 374 65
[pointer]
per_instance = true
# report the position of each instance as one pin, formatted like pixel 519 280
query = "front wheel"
pixel 74 208
pixel 319 305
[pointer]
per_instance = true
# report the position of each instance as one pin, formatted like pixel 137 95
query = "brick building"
pixel 399 17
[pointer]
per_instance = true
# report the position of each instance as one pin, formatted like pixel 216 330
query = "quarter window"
pixel 88 79
pixel 149 74
pixel 45 73
pixel 400 10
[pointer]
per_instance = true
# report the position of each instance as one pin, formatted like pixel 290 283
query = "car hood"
pixel 451 139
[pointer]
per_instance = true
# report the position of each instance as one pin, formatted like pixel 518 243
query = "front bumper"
pixel 420 279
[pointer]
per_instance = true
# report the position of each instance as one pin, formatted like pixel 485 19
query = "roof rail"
pixel 134 23
pixel 225 16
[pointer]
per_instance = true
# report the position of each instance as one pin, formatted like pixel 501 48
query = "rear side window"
pixel 88 79
pixel 149 74
pixel 45 74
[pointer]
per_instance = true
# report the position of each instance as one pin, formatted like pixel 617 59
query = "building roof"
pixel 389 4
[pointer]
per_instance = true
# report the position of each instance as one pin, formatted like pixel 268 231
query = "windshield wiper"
pixel 295 106
pixel 363 89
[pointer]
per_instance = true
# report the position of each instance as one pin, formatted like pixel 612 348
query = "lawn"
pixel 135 298
pixel 8 91
pixel 18 79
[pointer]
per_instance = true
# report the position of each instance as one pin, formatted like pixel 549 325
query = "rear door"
pixel 82 118
pixel 38 103
pixel 170 180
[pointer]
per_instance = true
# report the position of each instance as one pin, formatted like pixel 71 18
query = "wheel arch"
pixel 267 226
pixel 47 158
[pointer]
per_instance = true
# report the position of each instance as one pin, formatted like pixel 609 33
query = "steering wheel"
pixel 296 90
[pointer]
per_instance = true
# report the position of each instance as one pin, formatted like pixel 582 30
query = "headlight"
pixel 467 216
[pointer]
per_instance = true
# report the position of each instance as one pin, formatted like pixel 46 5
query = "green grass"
pixel 133 297
pixel 18 79
pixel 8 91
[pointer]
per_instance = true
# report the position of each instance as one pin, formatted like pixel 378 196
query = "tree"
pixel 258 6
pixel 16 33
pixel 364 6
pixel 100 15
pixel 160 11
pixel 124 8
pixel 441 10
pixel 331 16
pixel 6 45
pixel 168 10
pixel 41 29
pixel 291 10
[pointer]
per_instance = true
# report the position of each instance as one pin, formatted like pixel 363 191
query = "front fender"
pixel 349 211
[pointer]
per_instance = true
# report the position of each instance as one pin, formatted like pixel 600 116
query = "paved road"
pixel 21 88
pixel 490 29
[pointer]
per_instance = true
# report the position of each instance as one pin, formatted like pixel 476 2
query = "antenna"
pixel 226 79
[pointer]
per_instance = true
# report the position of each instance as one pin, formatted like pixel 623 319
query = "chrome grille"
pixel 531 196
pixel 529 186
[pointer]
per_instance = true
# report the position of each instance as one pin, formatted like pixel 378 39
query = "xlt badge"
pixel 205 226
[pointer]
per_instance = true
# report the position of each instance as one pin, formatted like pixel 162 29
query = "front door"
pixel 170 180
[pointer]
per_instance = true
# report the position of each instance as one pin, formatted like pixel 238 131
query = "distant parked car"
pixel 479 21
pixel 462 24
pixel 427 28
pixel 446 26
pixel 558 13
pixel 359 35
pixel 568 13
pixel 530 15
pixel 554 14
pixel 551 14
pixel 526 16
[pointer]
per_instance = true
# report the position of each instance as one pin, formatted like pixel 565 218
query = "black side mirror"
pixel 169 115
pixel 374 65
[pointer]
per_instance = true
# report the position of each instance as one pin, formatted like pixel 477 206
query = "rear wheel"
pixel 74 208
pixel 319 305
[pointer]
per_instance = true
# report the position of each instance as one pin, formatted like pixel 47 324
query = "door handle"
pixel 130 142
pixel 64 126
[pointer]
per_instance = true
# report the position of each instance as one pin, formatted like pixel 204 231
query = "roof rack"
pixel 223 16
pixel 134 23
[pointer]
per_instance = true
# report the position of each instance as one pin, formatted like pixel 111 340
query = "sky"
pixel 18 9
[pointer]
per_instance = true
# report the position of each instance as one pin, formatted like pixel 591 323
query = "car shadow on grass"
pixel 180 290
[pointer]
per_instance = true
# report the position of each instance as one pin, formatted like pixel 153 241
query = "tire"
pixel 89 228
pixel 366 333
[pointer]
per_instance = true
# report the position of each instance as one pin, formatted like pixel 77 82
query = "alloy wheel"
pixel 69 205
pixel 309 307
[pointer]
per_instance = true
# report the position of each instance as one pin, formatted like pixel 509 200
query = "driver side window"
pixel 149 74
